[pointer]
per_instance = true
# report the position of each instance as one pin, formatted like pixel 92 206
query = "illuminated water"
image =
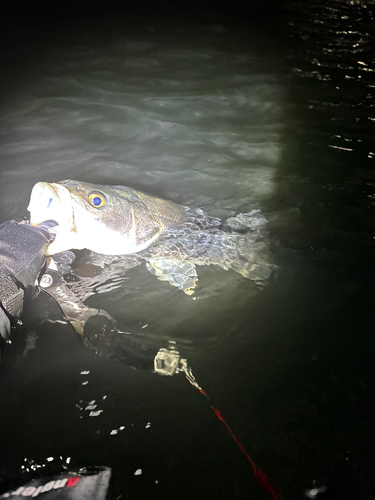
pixel 230 114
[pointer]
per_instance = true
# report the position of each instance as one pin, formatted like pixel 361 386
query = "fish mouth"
pixel 51 201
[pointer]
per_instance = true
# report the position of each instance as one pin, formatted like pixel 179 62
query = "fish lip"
pixel 64 192
pixel 56 193
pixel 40 192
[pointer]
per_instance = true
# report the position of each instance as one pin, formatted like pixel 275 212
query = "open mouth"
pixel 51 201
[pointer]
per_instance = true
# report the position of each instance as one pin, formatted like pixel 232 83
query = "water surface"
pixel 273 112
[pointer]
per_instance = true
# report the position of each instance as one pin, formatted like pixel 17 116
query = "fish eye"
pixel 97 200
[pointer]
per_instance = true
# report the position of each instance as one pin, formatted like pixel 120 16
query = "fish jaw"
pixel 50 201
pixel 92 234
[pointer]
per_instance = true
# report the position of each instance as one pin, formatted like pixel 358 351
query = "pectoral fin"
pixel 183 274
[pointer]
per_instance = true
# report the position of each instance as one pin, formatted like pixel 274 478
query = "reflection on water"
pixel 229 117
pixel 177 109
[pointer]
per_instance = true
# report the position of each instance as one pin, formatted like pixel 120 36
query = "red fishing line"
pixel 258 474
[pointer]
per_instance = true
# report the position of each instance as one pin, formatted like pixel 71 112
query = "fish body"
pixel 172 239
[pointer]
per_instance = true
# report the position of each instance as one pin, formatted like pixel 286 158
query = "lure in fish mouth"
pixel 111 220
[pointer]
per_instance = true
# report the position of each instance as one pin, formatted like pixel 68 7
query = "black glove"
pixel 99 331
pixel 103 336
pixel 22 256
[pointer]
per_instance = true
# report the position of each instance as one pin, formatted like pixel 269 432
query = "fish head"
pixel 103 219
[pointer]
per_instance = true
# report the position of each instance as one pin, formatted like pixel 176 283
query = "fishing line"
pixel 259 476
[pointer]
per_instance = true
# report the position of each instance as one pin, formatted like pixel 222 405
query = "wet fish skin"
pixel 129 220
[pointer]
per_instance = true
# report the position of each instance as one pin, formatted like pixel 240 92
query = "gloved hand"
pixel 107 340
pixel 22 256
pixel 103 335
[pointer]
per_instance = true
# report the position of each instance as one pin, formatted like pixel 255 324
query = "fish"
pixel 111 220
pixel 135 227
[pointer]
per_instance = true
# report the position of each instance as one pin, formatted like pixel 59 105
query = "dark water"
pixel 229 112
